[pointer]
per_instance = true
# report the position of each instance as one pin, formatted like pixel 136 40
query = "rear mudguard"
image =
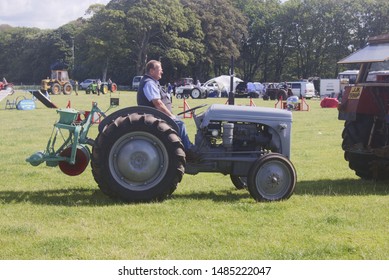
pixel 139 110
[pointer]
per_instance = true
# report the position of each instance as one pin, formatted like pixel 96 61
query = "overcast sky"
pixel 44 14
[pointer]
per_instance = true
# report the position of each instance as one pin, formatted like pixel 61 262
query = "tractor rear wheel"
pixel 271 178
pixel 195 93
pixel 355 140
pixel 138 158
pixel 239 182
pixel 114 87
pixel 67 89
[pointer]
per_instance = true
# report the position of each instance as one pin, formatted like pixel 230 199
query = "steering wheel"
pixel 192 109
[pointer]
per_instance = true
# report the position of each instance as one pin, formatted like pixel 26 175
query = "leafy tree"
pixel 19 50
pixel 103 41
pixel 263 40
pixel 370 19
pixel 159 30
pixel 318 29
pixel 224 28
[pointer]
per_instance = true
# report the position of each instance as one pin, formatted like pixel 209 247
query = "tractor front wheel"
pixel 104 89
pixel 271 178
pixel 138 158
pixel 55 89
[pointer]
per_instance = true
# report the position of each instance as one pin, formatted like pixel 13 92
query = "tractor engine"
pixel 237 136
pixel 247 136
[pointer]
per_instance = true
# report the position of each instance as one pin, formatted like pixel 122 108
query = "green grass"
pixel 48 215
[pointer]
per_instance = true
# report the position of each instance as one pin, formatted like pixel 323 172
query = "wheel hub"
pixel 273 180
pixel 138 161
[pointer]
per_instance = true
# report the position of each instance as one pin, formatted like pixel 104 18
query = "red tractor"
pixel 365 109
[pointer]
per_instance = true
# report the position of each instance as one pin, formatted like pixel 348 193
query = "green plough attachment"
pixel 73 155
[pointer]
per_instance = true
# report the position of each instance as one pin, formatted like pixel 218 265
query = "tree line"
pixel 270 40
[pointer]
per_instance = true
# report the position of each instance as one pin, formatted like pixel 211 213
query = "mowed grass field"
pixel 47 215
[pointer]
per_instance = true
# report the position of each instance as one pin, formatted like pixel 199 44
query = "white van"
pixel 135 82
pixel 329 87
pixel 302 89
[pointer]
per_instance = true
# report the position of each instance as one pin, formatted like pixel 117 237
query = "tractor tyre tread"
pixel 150 125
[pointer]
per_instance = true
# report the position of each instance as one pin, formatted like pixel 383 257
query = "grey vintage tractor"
pixel 138 155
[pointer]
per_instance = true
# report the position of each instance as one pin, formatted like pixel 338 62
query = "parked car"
pixel 86 83
pixel 241 89
pixel 212 89
pixel 248 89
pixel 135 82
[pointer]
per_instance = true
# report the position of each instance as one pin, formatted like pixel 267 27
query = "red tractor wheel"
pixel 114 87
